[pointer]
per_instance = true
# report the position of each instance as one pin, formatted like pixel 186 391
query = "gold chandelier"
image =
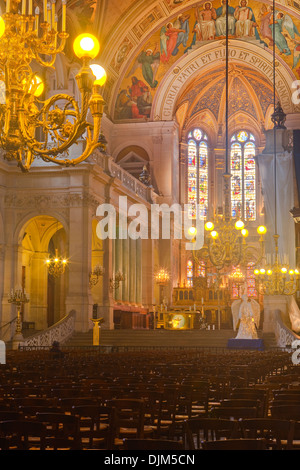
pixel 276 278
pixel 114 282
pixel 225 244
pixel 94 275
pixel 56 264
pixel 58 121
pixel 162 277
pixel 225 237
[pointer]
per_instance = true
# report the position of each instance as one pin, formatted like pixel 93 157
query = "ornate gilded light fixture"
pixel 275 277
pixel 56 264
pixel 162 277
pixel 225 236
pixel 30 127
pixel 115 281
pixel 95 275
pixel 18 297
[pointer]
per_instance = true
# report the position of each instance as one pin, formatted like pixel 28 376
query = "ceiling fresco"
pixel 249 21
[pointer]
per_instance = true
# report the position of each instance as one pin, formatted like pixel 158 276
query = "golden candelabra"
pixel 162 277
pixel 94 276
pixel 18 297
pixel 56 264
pixel 115 281
pixel 276 278
pixel 225 244
pixel 30 127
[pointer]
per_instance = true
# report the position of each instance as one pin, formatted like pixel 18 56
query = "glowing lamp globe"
pixel 244 232
pixel 36 86
pixel 192 231
pixel 209 226
pixel 2 26
pixel 86 45
pixel 99 73
pixel 261 230
pixel 239 225
pixel 214 234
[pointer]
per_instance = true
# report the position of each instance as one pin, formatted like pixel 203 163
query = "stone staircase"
pixel 162 338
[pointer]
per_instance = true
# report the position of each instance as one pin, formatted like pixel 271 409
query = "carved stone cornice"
pixel 22 201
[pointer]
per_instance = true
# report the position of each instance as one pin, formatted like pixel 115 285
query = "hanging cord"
pixel 227 86
pixel 274 130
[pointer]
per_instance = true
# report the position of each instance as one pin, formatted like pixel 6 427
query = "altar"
pixel 179 319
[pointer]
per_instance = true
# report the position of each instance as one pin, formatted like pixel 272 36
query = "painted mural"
pixel 250 21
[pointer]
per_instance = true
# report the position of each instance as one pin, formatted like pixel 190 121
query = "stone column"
pixel 38 291
pixel 107 307
pixel 271 304
pixel 79 296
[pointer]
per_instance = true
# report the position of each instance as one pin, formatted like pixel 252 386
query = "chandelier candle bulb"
pixel 64 14
pixel 45 10
pixel 53 13
pixel 49 14
pixel 37 18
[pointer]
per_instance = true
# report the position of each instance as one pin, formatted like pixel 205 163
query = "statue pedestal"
pixel 273 303
pixel 96 331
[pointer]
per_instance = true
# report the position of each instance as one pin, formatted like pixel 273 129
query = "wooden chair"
pixel 278 433
pixel 243 403
pixel 235 444
pixel 289 412
pixel 62 431
pixel 228 412
pixel 24 435
pixel 197 429
pixel 130 420
pixel 96 426
pixel 152 444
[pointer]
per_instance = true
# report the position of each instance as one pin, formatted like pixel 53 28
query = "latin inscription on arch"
pixel 249 58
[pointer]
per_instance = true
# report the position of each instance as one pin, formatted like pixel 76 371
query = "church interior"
pixel 150 225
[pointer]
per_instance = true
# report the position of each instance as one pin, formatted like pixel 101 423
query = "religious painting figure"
pixel 277 27
pixel 182 23
pixel 265 19
pixel 245 20
pixel 296 56
pixel 205 26
pixel 171 34
pixel 221 20
pixel 246 317
pixel 149 60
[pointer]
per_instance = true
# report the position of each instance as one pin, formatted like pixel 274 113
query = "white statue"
pixel 294 314
pixel 246 316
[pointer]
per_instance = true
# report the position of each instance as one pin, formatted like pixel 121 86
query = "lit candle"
pixel 64 14
pixel 23 7
pixel 7 6
pixel 37 16
pixel 53 11
pixel 49 14
pixel 30 8
pixel 55 22
pixel 45 10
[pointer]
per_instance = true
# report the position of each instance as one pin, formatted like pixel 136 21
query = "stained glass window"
pixel 201 269
pixel 197 173
pixel 243 180
pixel 190 273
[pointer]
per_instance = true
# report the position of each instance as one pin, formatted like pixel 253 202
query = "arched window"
pixel 238 289
pixel 190 273
pixel 197 174
pixel 243 179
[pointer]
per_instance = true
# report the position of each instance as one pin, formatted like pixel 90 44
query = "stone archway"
pixel 38 238
pixel 205 58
